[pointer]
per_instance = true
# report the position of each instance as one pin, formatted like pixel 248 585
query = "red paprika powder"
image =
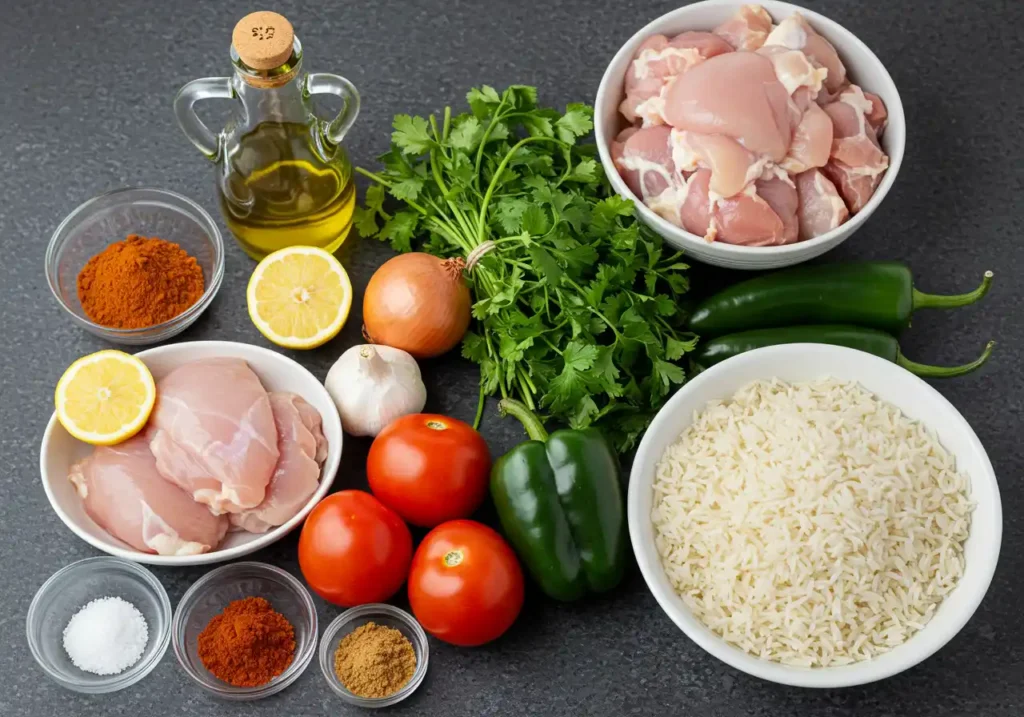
pixel 248 644
pixel 139 282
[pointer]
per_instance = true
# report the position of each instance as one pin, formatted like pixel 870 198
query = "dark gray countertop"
pixel 86 107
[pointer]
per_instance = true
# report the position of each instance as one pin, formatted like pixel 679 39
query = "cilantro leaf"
pixel 365 222
pixel 509 213
pixel 412 134
pixel 466 133
pixel 408 189
pixel 482 100
pixel 576 122
pixel 400 230
pixel 535 220
pixel 546 265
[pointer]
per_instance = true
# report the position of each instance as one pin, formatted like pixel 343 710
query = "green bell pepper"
pixel 560 502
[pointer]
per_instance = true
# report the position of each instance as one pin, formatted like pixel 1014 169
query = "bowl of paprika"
pixel 136 266
pixel 245 631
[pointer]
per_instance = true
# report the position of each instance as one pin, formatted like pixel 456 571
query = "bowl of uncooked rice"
pixel 814 516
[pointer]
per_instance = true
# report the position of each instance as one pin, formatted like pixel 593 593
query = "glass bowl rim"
pixel 200 216
pixel 300 661
pixel 368 611
pixel 135 673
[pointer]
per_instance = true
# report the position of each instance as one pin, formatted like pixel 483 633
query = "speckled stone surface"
pixel 86 107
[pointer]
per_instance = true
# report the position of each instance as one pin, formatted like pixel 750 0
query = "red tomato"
pixel 354 550
pixel 429 468
pixel 465 585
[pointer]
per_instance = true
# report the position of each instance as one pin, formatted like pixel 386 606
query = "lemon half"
pixel 105 398
pixel 299 297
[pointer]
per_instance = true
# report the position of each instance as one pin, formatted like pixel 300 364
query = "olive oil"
pixel 278 191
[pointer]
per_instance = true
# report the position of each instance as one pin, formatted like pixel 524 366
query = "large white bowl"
pixel 277 373
pixel 804 362
pixel 863 67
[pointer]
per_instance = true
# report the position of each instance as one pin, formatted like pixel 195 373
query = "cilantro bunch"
pixel 576 303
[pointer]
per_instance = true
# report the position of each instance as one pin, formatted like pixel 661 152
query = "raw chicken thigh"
pixel 857 161
pixel 644 159
pixel 747 29
pixel 212 433
pixel 821 209
pixel 124 493
pixel 795 33
pixel 303 447
pixel 659 60
pixel 751 134
pixel 736 95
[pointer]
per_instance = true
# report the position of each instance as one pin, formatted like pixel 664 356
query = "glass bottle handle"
pixel 318 83
pixel 198 133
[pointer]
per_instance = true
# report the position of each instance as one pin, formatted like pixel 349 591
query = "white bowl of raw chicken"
pixel 862 67
pixel 276 373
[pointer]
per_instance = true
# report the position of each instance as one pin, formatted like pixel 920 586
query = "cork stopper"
pixel 263 40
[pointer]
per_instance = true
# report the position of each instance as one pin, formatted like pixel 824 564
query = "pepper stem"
pixel 935 301
pixel 944 371
pixel 518 410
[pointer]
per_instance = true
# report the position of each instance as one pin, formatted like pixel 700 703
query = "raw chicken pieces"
pixel 659 60
pixel 212 433
pixel 124 493
pixel 795 33
pixel 303 448
pixel 644 158
pixel 751 134
pixel 857 161
pixel 747 29
pixel 736 95
pixel 821 208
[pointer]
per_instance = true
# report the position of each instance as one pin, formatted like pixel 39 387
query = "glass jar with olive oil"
pixel 283 177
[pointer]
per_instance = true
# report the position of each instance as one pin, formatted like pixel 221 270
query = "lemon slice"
pixel 299 297
pixel 105 398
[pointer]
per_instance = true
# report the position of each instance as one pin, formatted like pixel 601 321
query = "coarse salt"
pixel 106 637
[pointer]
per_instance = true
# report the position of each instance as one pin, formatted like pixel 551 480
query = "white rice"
pixel 810 524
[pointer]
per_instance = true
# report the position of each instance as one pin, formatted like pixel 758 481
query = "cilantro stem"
pixel 447 123
pixel 483 141
pixel 480 401
pixel 482 223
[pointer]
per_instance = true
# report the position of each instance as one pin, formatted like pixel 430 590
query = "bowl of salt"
pixel 99 625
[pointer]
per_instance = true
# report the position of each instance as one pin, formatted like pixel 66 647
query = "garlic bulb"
pixel 373 385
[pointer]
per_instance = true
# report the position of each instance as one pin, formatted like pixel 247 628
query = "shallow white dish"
pixel 863 68
pixel 804 362
pixel 277 373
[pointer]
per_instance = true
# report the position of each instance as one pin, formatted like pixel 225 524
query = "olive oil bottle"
pixel 279 192
pixel 283 176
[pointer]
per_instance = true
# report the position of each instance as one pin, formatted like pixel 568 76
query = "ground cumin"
pixel 374 661
pixel 139 282
pixel 248 644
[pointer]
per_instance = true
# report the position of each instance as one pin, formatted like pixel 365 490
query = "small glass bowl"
pixel 381 614
pixel 110 218
pixel 67 591
pixel 208 597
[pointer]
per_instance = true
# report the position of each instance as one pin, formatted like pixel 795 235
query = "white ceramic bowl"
pixel 863 67
pixel 278 373
pixel 803 362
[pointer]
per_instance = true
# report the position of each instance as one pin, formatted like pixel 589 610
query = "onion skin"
pixel 419 303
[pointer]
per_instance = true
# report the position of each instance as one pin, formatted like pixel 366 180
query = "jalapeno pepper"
pixel 872 341
pixel 560 502
pixel 879 295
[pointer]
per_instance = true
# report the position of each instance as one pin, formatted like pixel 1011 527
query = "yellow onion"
pixel 418 303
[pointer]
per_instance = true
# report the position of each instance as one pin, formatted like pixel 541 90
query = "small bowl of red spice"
pixel 245 631
pixel 136 266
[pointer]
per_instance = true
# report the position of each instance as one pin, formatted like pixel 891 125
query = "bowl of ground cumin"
pixel 374 655
pixel 136 266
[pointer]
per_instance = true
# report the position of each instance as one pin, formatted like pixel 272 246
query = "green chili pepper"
pixel 878 295
pixel 560 502
pixel 872 341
